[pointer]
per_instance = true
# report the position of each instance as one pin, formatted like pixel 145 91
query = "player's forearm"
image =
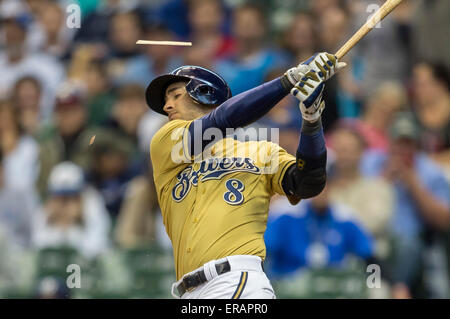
pixel 312 140
pixel 307 178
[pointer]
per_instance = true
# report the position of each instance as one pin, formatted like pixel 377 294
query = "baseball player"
pixel 215 206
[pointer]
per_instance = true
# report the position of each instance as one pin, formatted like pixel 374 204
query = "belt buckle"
pixel 190 289
pixel 189 283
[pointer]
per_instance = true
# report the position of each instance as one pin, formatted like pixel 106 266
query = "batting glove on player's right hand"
pixel 309 91
pixel 324 64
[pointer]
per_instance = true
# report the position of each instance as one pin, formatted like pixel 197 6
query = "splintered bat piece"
pixel 387 8
pixel 91 141
pixel 177 43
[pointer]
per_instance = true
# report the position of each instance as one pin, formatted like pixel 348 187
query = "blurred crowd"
pixel 75 129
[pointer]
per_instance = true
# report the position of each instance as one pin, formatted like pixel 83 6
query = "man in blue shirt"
pixel 422 201
pixel 313 234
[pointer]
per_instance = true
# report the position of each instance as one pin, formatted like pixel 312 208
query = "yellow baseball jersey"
pixel 215 206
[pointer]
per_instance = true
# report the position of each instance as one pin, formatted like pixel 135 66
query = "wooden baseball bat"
pixel 387 8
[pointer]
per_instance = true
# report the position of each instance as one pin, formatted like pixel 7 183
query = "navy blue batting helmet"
pixel 203 86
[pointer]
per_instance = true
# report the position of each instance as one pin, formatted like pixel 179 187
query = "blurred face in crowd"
pixel 205 16
pixel 300 35
pixel 128 112
pixel 96 81
pixel 332 28
pixel 319 6
pixel 125 31
pixel 35 5
pixel 387 100
pixel 179 105
pixel 427 88
pixel 248 26
pixel 348 149
pixel 402 151
pixel 70 118
pixel 64 211
pixel 159 52
pixel 52 18
pixel 110 164
pixel 14 38
pixel 26 96
pixel 201 54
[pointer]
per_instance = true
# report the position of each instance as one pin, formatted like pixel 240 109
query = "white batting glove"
pixel 324 64
pixel 309 91
pixel 308 79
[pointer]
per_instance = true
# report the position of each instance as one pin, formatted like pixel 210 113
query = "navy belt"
pixel 194 280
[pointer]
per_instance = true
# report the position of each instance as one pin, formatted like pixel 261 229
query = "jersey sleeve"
pixel 168 150
pixel 280 162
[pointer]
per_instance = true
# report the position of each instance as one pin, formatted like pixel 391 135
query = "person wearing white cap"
pixel 74 213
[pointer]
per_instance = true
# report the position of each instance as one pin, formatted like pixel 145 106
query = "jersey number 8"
pixel 234 194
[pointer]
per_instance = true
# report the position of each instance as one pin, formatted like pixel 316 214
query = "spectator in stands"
pixel 52 288
pixel 125 29
pixel 96 23
pixel 380 109
pixel 422 201
pixel 26 95
pixel 20 151
pixel 313 234
pixel 370 198
pixel 16 62
pixel 207 19
pixel 112 169
pixel 68 139
pixel 100 99
pixel 431 84
pixel 137 222
pixel 340 93
pixel 88 69
pixel 132 119
pixel 17 208
pixel 333 28
pixel 252 59
pixel 57 36
pixel 74 214
pixel 395 39
pixel 299 38
pixel 173 13
pixel 318 7
pixel 430 27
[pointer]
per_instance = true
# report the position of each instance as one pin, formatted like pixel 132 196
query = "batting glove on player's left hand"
pixel 309 91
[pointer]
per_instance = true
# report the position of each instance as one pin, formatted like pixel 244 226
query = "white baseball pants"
pixel 245 280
